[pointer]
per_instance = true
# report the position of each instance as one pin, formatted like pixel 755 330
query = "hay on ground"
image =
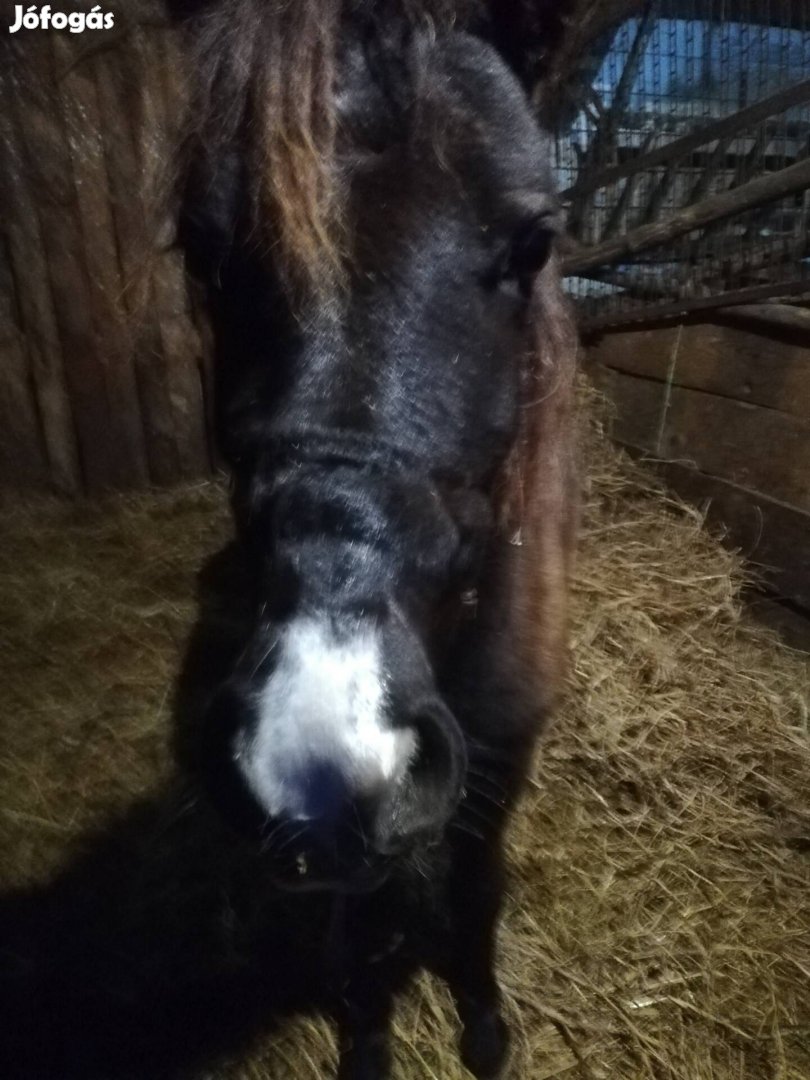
pixel 658 921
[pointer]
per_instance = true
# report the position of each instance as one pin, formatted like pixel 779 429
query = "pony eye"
pixel 530 247
pixel 522 256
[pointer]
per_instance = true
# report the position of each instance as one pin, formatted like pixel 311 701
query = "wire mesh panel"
pixel 686 165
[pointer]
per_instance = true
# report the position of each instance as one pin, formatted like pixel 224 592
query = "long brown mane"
pixel 265 82
pixel 537 496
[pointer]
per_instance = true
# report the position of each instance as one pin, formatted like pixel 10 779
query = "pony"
pixel 368 201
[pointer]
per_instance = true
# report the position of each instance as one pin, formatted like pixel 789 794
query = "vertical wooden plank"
pixel 182 352
pixel 9 320
pixel 84 127
pixel 163 99
pixel 120 85
pixel 23 464
pixel 104 459
pixel 200 320
pixel 35 311
pixel 112 360
pixel 158 144
pixel 176 93
pixel 183 348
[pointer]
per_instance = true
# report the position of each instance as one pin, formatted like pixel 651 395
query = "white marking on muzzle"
pixel 324 704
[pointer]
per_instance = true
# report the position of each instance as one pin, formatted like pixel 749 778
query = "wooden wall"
pixel 102 368
pixel 726 408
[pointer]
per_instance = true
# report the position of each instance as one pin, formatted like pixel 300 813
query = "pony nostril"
pixel 431 762
pixel 437 766
pixel 424 800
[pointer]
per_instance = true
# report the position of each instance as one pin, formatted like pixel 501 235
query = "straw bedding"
pixel 658 921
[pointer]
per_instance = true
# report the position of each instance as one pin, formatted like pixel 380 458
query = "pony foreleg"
pixel 363 1026
pixel 475 898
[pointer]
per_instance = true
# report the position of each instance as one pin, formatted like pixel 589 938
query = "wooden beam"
pixel 642 281
pixel 772 535
pixel 676 309
pixel 762 449
pixel 744 364
pixel 785 316
pixel 679 148
pixel 764 189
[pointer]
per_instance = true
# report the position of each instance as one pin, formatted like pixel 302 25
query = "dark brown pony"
pixel 369 204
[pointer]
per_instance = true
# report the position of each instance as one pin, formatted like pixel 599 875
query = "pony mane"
pixel 537 494
pixel 265 75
